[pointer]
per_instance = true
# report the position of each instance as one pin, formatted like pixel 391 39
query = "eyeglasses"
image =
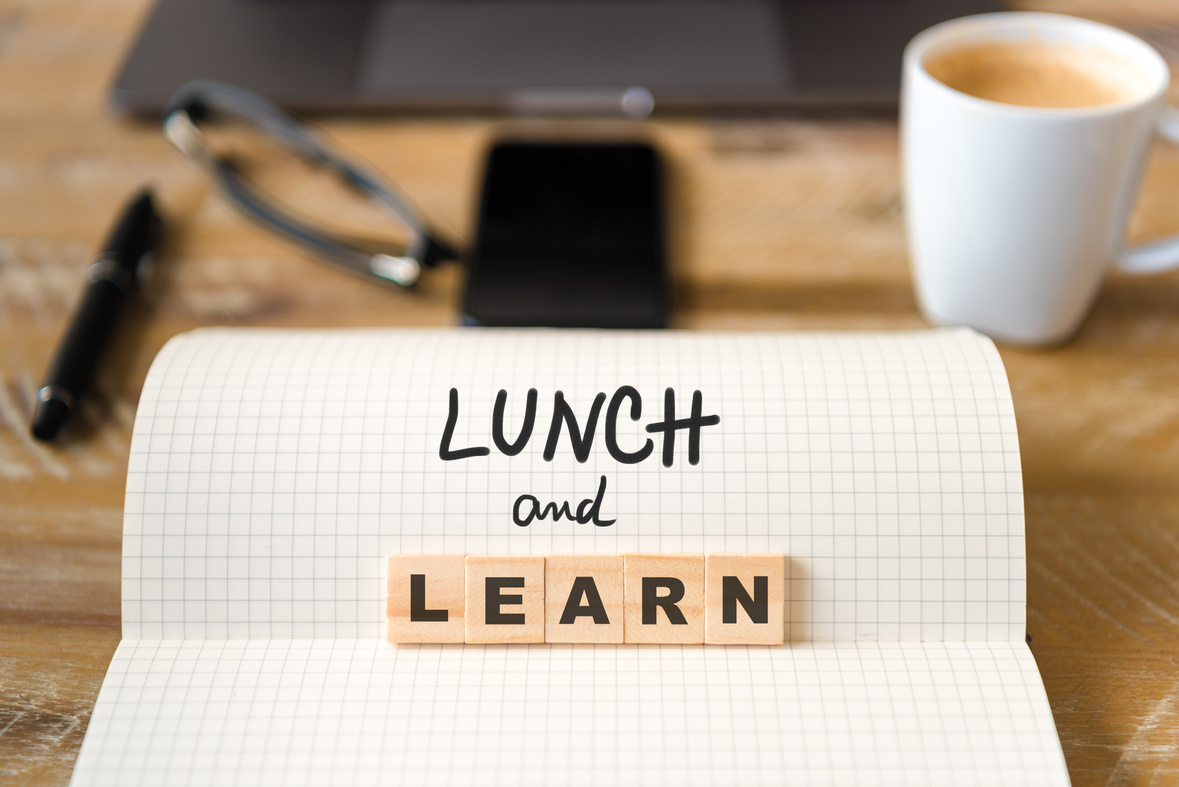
pixel 261 121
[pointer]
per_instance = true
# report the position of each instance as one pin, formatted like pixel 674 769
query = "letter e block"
pixel 505 599
pixel 745 599
pixel 664 599
pixel 426 599
pixel 583 598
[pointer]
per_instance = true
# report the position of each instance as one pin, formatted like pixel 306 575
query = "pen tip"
pixel 48 418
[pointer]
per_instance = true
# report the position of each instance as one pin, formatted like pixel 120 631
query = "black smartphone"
pixel 570 236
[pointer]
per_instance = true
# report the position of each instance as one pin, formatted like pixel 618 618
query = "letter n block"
pixel 745 599
pixel 664 599
pixel 426 598
pixel 505 599
pixel 583 598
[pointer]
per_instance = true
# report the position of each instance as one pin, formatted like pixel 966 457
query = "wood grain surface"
pixel 776 222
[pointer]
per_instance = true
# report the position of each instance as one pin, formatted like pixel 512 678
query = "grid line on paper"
pixel 205 712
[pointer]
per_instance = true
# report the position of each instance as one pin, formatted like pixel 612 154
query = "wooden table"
pixel 775 223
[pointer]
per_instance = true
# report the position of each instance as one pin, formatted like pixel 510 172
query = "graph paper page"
pixel 272 472
pixel 311 712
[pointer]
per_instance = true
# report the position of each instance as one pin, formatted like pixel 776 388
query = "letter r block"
pixel 583 598
pixel 745 599
pixel 505 599
pixel 426 598
pixel 664 599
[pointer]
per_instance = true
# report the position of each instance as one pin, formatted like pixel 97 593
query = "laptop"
pixel 598 57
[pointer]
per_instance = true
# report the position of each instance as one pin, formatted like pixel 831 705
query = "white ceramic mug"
pixel 1015 213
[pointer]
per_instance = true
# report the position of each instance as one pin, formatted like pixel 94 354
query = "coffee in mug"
pixel 1036 74
pixel 1024 140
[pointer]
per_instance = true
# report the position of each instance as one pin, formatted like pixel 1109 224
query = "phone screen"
pixel 569 235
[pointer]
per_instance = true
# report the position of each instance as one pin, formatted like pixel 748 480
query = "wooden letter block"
pixel 583 598
pixel 664 599
pixel 505 599
pixel 427 596
pixel 745 599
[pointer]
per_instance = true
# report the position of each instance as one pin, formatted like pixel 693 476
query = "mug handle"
pixel 1159 255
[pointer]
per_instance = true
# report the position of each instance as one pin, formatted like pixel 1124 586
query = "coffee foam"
pixel 1037 73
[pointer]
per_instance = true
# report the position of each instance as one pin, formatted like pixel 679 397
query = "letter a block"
pixel 664 599
pixel 426 599
pixel 505 599
pixel 745 599
pixel 583 598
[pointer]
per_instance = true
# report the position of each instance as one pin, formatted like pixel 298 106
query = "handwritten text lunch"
pixel 581 434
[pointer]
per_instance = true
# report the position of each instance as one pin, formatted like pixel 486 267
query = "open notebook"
pixel 272 472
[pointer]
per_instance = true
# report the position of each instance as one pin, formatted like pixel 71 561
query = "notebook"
pixel 273 471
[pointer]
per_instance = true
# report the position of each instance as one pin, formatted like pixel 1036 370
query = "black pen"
pixel 109 281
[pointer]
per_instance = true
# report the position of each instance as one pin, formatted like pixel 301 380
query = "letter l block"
pixel 426 598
